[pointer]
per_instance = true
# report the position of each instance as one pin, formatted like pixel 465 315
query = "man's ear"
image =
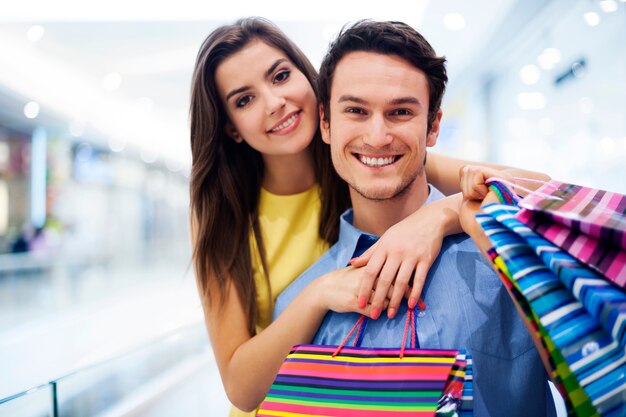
pixel 431 139
pixel 232 132
pixel 324 126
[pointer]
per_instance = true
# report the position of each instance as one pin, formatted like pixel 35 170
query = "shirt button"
pixel 421 313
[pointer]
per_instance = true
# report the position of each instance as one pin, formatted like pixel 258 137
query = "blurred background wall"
pixel 94 159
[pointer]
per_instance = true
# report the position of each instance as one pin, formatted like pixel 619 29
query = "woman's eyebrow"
pixel 271 69
pixel 237 91
pixel 268 73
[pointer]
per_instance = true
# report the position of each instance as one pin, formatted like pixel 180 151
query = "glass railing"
pixel 36 402
pixel 128 382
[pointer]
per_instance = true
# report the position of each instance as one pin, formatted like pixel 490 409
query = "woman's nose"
pixel 275 102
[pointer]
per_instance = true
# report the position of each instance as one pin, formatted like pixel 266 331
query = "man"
pixel 380 89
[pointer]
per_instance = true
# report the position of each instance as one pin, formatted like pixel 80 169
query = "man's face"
pixel 378 124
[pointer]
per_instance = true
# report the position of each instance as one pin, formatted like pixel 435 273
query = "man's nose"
pixel 378 133
pixel 274 102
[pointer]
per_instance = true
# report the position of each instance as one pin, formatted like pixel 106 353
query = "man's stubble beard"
pixel 399 191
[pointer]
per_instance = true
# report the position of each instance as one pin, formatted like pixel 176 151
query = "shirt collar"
pixel 349 235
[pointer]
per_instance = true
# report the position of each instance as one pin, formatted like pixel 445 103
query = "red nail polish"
pixel 421 305
pixel 375 313
pixel 362 302
pixel 412 303
pixel 391 313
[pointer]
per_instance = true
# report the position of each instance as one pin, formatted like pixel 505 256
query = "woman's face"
pixel 270 103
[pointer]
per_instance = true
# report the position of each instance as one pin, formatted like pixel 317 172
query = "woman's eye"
pixel 282 76
pixel 243 101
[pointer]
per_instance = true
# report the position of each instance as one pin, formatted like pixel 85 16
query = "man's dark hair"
pixel 388 38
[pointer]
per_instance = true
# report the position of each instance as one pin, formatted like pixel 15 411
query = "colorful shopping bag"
pixel 588 223
pixel 577 315
pixel 352 381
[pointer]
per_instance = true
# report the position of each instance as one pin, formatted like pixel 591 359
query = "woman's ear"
pixel 233 133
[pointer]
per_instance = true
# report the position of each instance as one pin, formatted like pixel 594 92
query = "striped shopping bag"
pixel 577 317
pixel 588 223
pixel 353 381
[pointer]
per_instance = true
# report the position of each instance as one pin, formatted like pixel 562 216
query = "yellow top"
pixel 290 231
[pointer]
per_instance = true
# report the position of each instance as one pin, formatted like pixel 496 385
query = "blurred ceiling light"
pixel 592 18
pixel 173 166
pixel 35 33
pixel 454 21
pixel 530 74
pixel 31 109
pixel 148 156
pixel 77 128
pixel 84 152
pixel 548 58
pixel 531 101
pixel 608 6
pixel 112 81
pixel 579 69
pixel 553 54
pixel 117 144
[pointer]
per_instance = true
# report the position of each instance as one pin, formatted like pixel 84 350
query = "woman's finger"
pixel 370 273
pixel 418 283
pixel 385 279
pixel 364 258
pixel 400 285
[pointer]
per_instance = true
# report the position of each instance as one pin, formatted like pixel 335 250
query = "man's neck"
pixel 375 217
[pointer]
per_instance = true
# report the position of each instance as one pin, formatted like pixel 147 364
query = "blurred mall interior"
pixel 98 308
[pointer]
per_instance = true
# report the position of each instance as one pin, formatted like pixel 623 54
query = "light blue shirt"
pixel 467 307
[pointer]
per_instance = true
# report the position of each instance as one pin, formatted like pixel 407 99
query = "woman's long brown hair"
pixel 226 176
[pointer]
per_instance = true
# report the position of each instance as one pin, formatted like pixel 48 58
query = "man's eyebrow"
pixel 353 99
pixel 405 100
pixel 394 102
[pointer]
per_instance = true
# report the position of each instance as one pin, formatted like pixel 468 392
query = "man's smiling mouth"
pixel 377 161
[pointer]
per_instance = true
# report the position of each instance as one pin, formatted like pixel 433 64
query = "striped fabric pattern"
pixel 580 316
pixel 365 382
pixel 588 223
pixel 577 401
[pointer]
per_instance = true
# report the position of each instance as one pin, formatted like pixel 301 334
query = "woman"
pixel 265 203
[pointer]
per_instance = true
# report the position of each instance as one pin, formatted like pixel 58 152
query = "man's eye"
pixel 402 112
pixel 282 76
pixel 243 101
pixel 354 110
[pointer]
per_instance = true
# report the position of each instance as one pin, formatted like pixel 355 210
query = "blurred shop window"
pixel 14 204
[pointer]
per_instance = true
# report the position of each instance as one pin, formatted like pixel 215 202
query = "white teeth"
pixel 286 123
pixel 377 162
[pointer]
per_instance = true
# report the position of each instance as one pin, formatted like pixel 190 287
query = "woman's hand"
pixel 406 250
pixel 473 177
pixel 476 194
pixel 338 291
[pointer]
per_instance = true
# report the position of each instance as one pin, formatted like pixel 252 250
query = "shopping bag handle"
pixel 505 187
pixel 358 327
